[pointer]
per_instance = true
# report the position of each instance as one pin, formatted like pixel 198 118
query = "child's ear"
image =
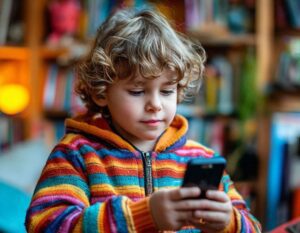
pixel 102 102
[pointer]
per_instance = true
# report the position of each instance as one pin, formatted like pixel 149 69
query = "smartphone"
pixel 206 173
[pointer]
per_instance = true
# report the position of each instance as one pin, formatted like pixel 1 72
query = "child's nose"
pixel 154 103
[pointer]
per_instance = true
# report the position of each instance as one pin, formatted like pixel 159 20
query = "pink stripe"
pixel 81 141
pixel 195 152
pixel 46 199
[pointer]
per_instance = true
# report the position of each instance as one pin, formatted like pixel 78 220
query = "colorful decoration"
pixel 64 19
pixel 14 99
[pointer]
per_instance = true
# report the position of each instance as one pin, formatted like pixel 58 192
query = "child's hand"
pixel 214 213
pixel 173 208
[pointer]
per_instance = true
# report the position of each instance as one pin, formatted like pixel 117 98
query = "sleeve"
pixel 242 220
pixel 61 202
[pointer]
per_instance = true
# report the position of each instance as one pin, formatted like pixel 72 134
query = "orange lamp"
pixel 14 98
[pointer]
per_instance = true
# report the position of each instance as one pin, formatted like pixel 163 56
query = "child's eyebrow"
pixel 139 83
pixel 172 82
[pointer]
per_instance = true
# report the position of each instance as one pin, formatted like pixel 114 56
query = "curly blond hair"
pixel 143 42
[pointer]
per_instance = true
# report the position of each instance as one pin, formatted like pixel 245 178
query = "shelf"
pixel 53 53
pixel 15 53
pixel 285 102
pixel 227 39
pixel 56 114
pixel 288 32
pixel 284 98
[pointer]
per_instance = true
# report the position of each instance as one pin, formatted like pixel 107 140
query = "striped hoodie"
pixel 95 181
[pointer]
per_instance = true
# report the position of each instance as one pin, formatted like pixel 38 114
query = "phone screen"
pixel 206 173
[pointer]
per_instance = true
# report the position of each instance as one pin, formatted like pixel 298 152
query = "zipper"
pixel 147 172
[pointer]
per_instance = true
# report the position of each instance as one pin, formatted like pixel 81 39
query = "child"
pixel 119 167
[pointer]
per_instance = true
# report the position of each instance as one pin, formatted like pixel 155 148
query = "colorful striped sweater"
pixel 94 181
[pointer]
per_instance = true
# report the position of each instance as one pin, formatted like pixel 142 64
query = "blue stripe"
pixel 73 157
pixel 54 226
pixel 119 215
pixel 180 143
pixel 174 157
pixel 119 153
pixel 45 205
pixel 226 182
pixel 168 181
pixel 90 218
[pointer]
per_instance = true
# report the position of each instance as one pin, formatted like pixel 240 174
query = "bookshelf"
pixel 279 114
pixel 215 39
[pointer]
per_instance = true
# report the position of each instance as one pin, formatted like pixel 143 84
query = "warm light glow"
pixel 13 98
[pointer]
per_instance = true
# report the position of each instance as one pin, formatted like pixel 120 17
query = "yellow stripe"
pixel 69 138
pixel 233 194
pixel 113 162
pixel 101 215
pixel 128 217
pixel 192 143
pixel 170 165
pixel 127 190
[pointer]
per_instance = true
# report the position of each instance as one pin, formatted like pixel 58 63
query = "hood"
pixel 98 127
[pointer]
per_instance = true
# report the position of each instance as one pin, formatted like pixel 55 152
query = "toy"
pixel 64 19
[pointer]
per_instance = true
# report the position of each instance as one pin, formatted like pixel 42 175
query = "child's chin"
pixel 151 137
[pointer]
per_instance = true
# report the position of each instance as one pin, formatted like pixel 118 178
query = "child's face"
pixel 141 109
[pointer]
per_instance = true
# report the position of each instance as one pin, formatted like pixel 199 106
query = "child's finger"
pixel 189 204
pixel 184 193
pixel 210 216
pixel 217 196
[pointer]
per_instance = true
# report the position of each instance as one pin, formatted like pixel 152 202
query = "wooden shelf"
pixel 15 53
pixel 288 32
pixel 52 53
pixel 285 102
pixel 227 39
pixel 284 98
pixel 56 114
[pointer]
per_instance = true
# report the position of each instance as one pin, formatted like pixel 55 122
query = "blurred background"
pixel 247 108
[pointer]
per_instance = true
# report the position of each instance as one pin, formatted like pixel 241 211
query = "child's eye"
pixel 136 93
pixel 167 92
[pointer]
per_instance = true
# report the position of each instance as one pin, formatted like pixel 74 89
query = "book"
pixel 225 97
pixel 293 10
pixel 50 86
pixel 285 128
pixel 60 98
pixel 5 11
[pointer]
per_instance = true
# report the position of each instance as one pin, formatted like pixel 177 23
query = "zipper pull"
pixel 147 172
pixel 148 159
